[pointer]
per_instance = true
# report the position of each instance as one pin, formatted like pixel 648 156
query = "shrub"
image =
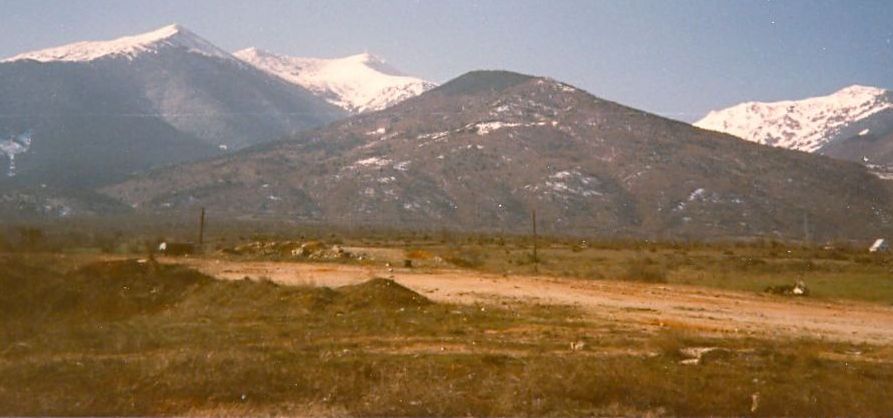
pixel 466 257
pixel 645 270
pixel 417 254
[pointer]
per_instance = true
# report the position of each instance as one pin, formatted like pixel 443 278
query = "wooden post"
pixel 201 228
pixel 806 237
pixel 535 258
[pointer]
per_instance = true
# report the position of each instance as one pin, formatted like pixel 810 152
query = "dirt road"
pixel 636 304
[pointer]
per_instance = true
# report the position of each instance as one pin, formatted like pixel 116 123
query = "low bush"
pixel 468 257
pixel 645 270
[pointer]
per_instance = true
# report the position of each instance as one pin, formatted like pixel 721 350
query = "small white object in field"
pixel 880 245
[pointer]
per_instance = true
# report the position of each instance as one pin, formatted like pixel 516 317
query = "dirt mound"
pixel 103 290
pixel 377 298
pixel 23 286
pixel 265 248
pixel 122 288
pixel 380 293
pixel 310 250
pixel 15 272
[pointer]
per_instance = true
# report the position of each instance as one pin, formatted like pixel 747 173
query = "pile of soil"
pixel 380 293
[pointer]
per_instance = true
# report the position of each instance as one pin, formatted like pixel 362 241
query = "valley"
pixel 275 221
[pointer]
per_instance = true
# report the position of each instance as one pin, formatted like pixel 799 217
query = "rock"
pixel 797 289
pixel 800 289
pixel 698 355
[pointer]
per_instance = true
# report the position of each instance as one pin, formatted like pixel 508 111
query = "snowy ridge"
pixel 805 125
pixel 357 83
pixel 172 36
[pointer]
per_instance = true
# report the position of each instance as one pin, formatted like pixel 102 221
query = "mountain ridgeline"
pixel 482 151
pixel 99 111
pixel 357 83
pixel 854 123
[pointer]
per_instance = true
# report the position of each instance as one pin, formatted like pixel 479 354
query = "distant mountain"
pixel 853 123
pixel 93 112
pixel 484 150
pixel 358 83
pixel 129 47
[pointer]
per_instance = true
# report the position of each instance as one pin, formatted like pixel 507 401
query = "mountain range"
pixel 164 122
pixel 97 111
pixel 854 123
pixel 358 83
pixel 484 150
pixel 90 113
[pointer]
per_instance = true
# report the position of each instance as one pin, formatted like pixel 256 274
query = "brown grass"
pixel 418 254
pixel 177 343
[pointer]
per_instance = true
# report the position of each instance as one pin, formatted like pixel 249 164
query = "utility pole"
pixel 535 258
pixel 201 228
pixel 806 236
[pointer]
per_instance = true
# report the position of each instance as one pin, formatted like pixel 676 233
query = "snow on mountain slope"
pixel 100 111
pixel 15 144
pixel 483 150
pixel 172 36
pixel 357 83
pixel 805 125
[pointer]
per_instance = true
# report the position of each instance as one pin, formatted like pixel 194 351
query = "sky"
pixel 677 58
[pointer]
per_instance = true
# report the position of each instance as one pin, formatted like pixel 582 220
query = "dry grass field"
pixel 469 327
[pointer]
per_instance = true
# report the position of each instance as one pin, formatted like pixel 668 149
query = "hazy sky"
pixel 672 57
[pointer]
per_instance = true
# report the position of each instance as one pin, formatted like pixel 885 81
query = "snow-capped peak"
pixel 171 36
pixel 805 125
pixel 357 83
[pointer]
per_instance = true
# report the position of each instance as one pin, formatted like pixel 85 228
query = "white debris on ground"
pixel 694 354
pixel 879 245
pixel 797 289
pixel 311 250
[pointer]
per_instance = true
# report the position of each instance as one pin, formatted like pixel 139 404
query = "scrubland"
pixel 90 332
